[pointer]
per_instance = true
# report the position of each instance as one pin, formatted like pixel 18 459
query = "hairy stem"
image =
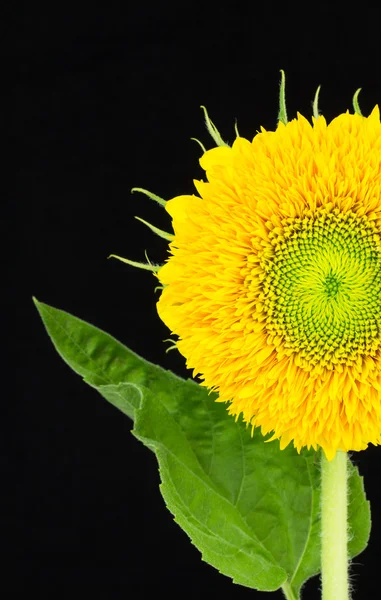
pixel 334 537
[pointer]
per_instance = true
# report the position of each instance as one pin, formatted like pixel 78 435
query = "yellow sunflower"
pixel 273 284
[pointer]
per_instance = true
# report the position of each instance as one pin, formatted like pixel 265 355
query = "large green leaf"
pixel 251 509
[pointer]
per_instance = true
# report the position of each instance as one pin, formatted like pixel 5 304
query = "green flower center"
pixel 331 285
pixel 322 287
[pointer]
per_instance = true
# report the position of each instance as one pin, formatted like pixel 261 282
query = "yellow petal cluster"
pixel 273 283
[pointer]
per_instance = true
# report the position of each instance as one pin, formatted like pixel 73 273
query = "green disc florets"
pixel 322 289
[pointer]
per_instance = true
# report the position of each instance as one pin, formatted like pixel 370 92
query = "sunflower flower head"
pixel 273 283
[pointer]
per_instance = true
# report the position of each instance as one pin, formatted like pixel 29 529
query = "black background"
pixel 100 99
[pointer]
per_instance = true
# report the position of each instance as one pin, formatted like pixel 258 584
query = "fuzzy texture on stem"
pixel 334 533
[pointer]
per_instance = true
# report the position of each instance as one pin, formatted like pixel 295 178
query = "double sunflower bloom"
pixel 273 283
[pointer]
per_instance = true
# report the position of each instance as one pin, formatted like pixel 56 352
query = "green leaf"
pixel 359 514
pixel 251 509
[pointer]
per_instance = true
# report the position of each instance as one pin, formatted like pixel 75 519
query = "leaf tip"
pixel 39 305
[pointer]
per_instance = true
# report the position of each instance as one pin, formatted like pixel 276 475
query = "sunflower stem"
pixel 334 535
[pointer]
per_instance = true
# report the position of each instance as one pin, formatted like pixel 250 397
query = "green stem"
pixel 334 537
pixel 288 592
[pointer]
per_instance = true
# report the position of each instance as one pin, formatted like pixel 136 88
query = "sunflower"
pixel 273 282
